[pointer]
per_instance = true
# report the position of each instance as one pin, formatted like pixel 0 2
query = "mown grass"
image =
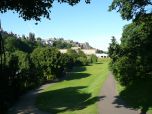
pixel 78 94
pixel 138 95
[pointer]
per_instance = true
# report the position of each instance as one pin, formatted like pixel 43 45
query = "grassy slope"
pixel 78 94
pixel 138 95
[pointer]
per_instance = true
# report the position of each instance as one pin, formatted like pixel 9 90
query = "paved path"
pixel 26 103
pixel 111 103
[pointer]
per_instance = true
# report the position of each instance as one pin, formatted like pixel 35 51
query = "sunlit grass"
pixel 78 94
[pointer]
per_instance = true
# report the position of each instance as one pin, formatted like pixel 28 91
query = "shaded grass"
pixel 138 95
pixel 78 94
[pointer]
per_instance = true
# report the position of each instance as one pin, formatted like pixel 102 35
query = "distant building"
pixel 86 51
pixel 75 48
pixel 103 55
pixel 63 50
pixel 89 51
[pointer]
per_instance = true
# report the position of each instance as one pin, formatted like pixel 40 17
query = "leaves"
pixel 132 60
pixel 131 9
pixel 32 9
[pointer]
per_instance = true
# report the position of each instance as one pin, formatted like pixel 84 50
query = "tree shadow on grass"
pixel 138 95
pixel 79 69
pixel 61 100
pixel 99 63
pixel 76 75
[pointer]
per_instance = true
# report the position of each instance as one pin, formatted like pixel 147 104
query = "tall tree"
pixel 131 9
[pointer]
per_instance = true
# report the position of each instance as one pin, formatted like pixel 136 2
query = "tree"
pixel 10 67
pixel 12 43
pixel 131 9
pixel 61 44
pixel 113 49
pixel 29 9
pixel 82 58
pixel 133 60
pixel 67 62
pixel 73 54
pixel 93 58
pixel 31 37
pixel 32 9
pixel 49 63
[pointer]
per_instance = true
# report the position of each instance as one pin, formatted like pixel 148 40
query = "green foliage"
pixel 131 9
pixel 73 54
pixel 124 70
pixel 61 44
pixel 93 58
pixel 11 43
pixel 29 63
pixel 81 53
pixel 48 59
pixel 114 49
pixel 133 59
pixel 14 79
pixel 79 58
pixel 78 94
pixel 33 9
pixel 82 58
pixel 31 37
pixel 67 62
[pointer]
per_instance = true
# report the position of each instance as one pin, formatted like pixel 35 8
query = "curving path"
pixel 112 103
pixel 25 105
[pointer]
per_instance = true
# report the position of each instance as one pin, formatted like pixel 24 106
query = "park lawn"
pixel 138 95
pixel 78 94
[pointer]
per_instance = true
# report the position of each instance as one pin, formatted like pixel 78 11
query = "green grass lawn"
pixel 138 95
pixel 78 94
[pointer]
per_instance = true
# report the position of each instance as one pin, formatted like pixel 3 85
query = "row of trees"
pixel 28 64
pixel 132 59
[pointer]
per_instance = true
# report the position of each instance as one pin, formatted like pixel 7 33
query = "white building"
pixel 63 50
pixel 87 52
pixel 103 55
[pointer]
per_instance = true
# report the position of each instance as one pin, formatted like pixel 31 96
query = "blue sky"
pixel 83 23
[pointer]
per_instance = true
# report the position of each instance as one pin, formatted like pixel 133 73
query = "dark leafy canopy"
pixel 32 9
pixel 113 49
pixel 131 9
pixel 133 59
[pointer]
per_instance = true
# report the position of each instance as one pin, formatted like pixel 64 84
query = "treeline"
pixel 132 59
pixel 29 63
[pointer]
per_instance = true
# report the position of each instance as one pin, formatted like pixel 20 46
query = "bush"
pixel 93 58
pixel 79 58
pixel 124 70
pixel 82 61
